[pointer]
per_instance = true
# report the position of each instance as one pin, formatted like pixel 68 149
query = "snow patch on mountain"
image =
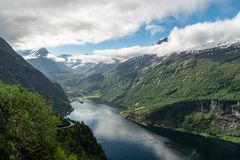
pixel 41 53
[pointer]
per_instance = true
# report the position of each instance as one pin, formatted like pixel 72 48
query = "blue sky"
pixel 87 26
pixel 143 38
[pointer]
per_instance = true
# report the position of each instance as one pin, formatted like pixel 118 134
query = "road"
pixel 69 126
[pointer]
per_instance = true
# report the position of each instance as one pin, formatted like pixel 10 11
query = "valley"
pixel 190 91
pixel 122 139
pixel 120 80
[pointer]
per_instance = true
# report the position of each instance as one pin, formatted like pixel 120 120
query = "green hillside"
pixel 30 131
pixel 148 85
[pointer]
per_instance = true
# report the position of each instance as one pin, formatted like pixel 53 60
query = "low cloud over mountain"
pixel 190 37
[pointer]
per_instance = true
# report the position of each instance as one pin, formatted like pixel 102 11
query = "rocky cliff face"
pixel 212 117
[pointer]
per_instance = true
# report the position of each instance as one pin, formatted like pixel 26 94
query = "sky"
pixel 119 29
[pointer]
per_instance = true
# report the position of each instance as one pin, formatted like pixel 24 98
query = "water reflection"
pixel 122 139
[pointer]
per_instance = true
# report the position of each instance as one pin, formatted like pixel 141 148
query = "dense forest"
pixel 29 129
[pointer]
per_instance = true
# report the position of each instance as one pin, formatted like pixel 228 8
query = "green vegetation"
pixel 147 85
pixel 205 80
pixel 208 125
pixel 29 130
pixel 184 77
pixel 79 140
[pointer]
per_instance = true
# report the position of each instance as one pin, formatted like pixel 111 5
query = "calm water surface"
pixel 124 140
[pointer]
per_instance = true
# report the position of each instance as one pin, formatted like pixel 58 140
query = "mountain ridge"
pixel 158 83
pixel 74 64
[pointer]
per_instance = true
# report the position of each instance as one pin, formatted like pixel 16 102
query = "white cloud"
pixel 89 59
pixel 37 23
pixel 55 58
pixel 180 39
pixel 153 29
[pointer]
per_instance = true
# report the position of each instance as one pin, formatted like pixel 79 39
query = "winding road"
pixel 68 126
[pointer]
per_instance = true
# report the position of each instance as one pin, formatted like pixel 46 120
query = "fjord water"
pixel 124 140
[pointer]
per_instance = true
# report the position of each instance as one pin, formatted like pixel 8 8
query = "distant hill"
pixel 15 70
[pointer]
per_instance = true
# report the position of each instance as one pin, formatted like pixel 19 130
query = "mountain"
pixel 29 129
pixel 196 90
pixel 93 68
pixel 24 52
pixel 119 79
pixel 103 67
pixel 161 41
pixel 65 56
pixel 42 52
pixel 46 62
pixel 60 68
pixel 82 68
pixel 15 70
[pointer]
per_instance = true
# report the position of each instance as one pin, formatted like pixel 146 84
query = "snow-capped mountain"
pixel 46 62
pixel 92 68
pixel 161 41
pixel 41 53
pixel 52 65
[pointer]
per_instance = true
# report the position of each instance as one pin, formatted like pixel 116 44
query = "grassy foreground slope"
pixel 29 130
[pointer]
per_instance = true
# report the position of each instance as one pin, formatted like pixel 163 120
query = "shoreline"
pixel 147 125
pixel 206 136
